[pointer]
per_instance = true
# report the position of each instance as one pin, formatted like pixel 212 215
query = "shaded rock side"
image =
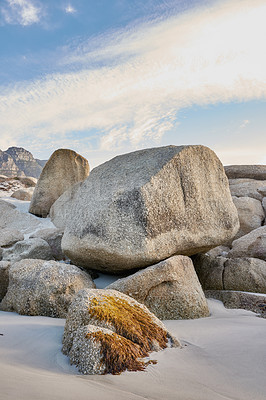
pixel 250 214
pixel 246 301
pixel 63 169
pixel 170 289
pixel 246 188
pixel 38 287
pixel 109 332
pixel 257 172
pixel 219 273
pixel 53 237
pixel 251 245
pixel 4 278
pixel 145 206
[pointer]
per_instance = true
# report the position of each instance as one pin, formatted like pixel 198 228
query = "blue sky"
pixel 107 77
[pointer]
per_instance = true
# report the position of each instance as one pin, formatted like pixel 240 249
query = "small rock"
pixel 23 194
pixel 53 237
pixel 246 188
pixel 30 248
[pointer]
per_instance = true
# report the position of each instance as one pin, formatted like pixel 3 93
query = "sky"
pixel 108 77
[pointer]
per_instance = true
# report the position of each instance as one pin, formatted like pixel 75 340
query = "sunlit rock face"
pixel 143 207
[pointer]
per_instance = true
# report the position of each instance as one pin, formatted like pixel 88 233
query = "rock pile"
pixel 241 264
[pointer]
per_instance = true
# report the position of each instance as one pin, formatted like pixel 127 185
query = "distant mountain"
pixel 16 161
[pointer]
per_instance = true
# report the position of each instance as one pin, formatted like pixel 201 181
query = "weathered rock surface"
pixel 11 218
pixel 30 248
pixel 220 273
pixel 245 274
pixel 4 278
pixel 257 172
pixel 63 169
pixel 262 190
pixel 247 301
pixel 210 271
pixel 28 181
pixel 53 237
pixel 109 332
pixel 250 214
pixel 170 289
pixel 246 188
pixel 8 237
pixel 145 206
pixel 38 287
pixel 59 212
pixel 251 245
pixel 219 251
pixel 264 206
pixel 23 194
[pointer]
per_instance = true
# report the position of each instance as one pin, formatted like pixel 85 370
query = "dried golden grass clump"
pixel 119 354
pixel 129 321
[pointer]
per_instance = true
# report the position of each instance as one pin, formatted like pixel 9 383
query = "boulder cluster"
pixel 171 221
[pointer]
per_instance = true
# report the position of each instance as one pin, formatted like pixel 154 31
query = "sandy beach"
pixel 223 357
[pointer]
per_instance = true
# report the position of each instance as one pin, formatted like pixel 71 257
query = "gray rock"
pixel 246 188
pixel 31 248
pixel 244 300
pixel 63 169
pixel 210 271
pixel 8 237
pixel 251 245
pixel 28 181
pixel 23 194
pixel 4 278
pixel 170 289
pixel 53 237
pixel 262 190
pixel 221 251
pixel 250 214
pixel 38 287
pixel 245 274
pixel 257 172
pixel 1 253
pixel 11 218
pixel 145 206
pixel 264 205
pixel 108 328
pixel 59 212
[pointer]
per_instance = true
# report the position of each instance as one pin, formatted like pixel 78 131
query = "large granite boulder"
pixel 8 237
pixel 38 287
pixel 170 289
pixel 4 278
pixel 63 169
pixel 109 332
pixel 246 188
pixel 251 245
pixel 29 248
pixel 140 208
pixel 250 214
pixel 257 172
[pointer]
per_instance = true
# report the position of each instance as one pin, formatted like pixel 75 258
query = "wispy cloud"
pixel 69 9
pixel 244 123
pixel 143 76
pixel 22 12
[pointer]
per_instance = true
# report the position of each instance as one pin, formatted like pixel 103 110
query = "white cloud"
pixel 205 56
pixel 70 9
pixel 23 12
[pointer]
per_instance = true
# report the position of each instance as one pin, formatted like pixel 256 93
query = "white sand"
pixel 224 358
